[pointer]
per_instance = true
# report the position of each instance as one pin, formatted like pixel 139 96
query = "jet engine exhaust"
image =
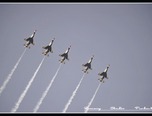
pixel 11 73
pixel 73 94
pixel 89 104
pixel 47 89
pixel 27 87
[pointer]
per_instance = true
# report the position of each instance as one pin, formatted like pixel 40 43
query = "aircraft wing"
pixel 105 75
pixel 86 65
pixel 31 40
pixel 28 39
pixel 46 47
pixel 62 54
pixel 66 56
pixel 101 74
pixel 90 66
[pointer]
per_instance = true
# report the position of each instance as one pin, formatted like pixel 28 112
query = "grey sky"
pixel 116 34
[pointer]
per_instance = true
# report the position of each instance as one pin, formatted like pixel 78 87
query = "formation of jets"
pixel 64 56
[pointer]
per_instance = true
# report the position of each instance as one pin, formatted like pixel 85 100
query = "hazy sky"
pixel 116 34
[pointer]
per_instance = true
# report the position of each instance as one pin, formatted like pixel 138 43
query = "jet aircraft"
pixel 87 65
pixel 103 74
pixel 64 55
pixel 29 40
pixel 48 48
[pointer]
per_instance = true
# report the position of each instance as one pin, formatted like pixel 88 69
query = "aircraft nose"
pixel 70 47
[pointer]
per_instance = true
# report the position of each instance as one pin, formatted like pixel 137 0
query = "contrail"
pixel 11 73
pixel 46 91
pixel 73 94
pixel 89 104
pixel 27 87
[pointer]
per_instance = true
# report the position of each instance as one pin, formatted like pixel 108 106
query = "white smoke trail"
pixel 89 104
pixel 46 91
pixel 73 94
pixel 11 73
pixel 27 87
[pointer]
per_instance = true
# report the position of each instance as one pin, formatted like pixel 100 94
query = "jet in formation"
pixel 103 74
pixel 87 65
pixel 29 40
pixel 48 48
pixel 64 55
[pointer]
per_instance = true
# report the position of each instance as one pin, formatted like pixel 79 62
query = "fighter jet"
pixel 103 74
pixel 29 40
pixel 64 55
pixel 87 65
pixel 48 48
